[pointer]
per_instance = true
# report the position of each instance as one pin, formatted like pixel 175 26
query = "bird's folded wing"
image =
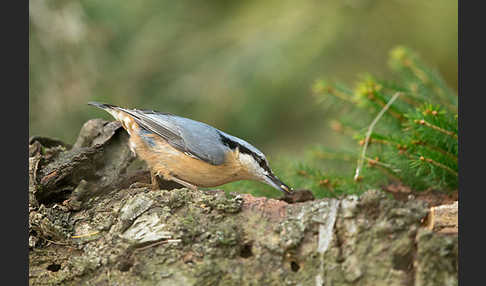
pixel 194 138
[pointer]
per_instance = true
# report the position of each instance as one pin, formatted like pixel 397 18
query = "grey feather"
pixel 192 137
pixel 195 138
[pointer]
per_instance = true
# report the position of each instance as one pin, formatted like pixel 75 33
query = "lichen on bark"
pixel 91 228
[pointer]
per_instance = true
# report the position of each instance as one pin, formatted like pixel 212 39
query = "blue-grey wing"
pixel 195 138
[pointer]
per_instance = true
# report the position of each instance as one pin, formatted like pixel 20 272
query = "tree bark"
pixel 90 225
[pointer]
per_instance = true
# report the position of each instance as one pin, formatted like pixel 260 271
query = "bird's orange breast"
pixel 167 161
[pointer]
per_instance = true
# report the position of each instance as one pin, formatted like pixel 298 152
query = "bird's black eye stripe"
pixel 264 165
pixel 230 143
pixel 233 145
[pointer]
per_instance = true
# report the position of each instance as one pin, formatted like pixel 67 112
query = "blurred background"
pixel 245 67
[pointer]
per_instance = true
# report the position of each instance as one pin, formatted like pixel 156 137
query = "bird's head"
pixel 256 165
pixel 253 162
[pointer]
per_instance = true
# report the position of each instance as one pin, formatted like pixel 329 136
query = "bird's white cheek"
pixel 251 166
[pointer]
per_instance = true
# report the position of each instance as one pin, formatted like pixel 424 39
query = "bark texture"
pixel 91 222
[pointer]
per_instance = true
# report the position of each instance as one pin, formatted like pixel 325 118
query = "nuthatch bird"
pixel 190 152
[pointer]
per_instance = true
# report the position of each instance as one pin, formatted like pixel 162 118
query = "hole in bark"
pixel 55 197
pixel 403 262
pixel 246 251
pixel 54 267
pixel 125 266
pixel 294 266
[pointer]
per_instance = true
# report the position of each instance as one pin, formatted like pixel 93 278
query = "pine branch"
pixel 428 160
pixel 413 120
pixel 437 149
pixel 430 125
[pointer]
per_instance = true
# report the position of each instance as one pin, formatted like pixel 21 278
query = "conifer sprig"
pixel 412 134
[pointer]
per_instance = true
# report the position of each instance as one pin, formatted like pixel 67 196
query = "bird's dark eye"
pixel 233 145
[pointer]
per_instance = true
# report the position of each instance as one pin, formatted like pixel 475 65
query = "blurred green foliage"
pixel 399 134
pixel 245 67
pixel 407 135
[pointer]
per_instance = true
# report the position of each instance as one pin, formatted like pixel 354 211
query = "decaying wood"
pixel 91 223
pixel 444 218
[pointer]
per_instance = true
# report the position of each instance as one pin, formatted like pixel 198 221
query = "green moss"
pixel 291 233
pixel 177 198
pixel 212 246
pixel 437 259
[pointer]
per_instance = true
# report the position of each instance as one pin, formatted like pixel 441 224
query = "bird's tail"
pixel 102 105
pixel 110 108
pixel 120 114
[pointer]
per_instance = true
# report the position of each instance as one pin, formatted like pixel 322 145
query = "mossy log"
pixel 90 223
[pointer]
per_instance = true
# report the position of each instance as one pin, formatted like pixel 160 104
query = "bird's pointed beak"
pixel 275 182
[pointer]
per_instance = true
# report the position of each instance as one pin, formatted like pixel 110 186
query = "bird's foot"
pixel 184 183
